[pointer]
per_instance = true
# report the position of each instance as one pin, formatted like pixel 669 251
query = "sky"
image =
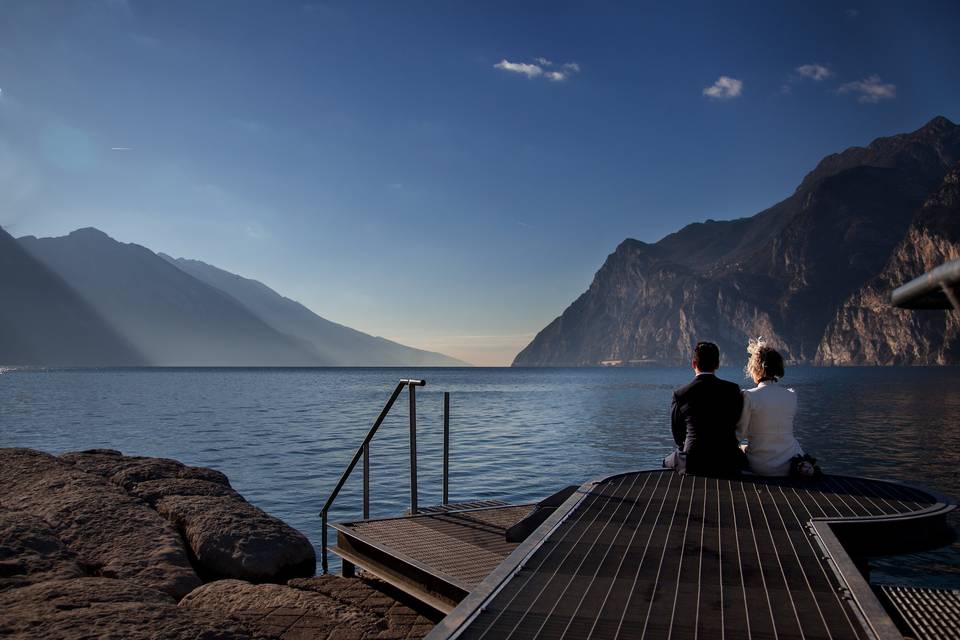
pixel 446 174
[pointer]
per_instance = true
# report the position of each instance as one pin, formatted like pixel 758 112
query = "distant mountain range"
pixel 812 273
pixel 86 299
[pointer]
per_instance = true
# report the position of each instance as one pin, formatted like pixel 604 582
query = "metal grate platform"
pixel 657 555
pixel 925 614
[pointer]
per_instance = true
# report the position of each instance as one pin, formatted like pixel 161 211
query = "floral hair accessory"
pixel 754 345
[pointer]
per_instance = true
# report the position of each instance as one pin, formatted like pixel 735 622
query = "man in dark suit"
pixel 704 420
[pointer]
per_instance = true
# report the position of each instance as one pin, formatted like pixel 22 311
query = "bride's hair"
pixel 764 362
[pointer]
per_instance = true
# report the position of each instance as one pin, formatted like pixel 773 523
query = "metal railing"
pixel 364 451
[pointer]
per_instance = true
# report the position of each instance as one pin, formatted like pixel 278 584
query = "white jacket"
pixel 766 422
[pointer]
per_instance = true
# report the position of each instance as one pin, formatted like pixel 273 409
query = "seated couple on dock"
pixel 710 417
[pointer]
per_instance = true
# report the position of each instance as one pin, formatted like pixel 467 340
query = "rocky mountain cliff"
pixel 782 273
pixel 867 330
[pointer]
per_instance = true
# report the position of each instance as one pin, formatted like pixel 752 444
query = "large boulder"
pixel 111 533
pixel 83 608
pixel 228 536
pixel 234 539
pixel 320 607
pixel 30 552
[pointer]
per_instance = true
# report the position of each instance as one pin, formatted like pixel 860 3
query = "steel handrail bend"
pixel 364 451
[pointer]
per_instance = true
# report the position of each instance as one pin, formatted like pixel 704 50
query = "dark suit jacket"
pixel 704 423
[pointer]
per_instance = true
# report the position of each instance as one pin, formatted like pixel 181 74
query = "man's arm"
pixel 677 424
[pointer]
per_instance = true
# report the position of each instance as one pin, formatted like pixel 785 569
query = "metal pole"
pixel 323 538
pixel 446 447
pixel 366 480
pixel 413 449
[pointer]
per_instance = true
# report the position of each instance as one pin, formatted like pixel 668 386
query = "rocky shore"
pixel 98 544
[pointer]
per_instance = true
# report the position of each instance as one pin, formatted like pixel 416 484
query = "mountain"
pixel 336 344
pixel 171 317
pixel 782 273
pixel 44 322
pixel 866 329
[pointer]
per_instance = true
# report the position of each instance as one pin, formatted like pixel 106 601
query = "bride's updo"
pixel 765 363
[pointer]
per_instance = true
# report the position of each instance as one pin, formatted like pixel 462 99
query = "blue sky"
pixel 412 169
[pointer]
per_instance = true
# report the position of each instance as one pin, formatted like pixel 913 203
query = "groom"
pixel 704 420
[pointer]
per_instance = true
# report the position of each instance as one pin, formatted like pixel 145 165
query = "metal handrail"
pixel 364 451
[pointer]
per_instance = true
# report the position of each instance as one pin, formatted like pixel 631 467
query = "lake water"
pixel 283 436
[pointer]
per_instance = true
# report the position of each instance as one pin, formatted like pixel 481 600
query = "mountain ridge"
pixel 780 273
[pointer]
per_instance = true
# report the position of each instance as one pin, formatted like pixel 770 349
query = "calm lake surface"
pixel 283 436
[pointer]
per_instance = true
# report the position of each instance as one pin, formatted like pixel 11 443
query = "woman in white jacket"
pixel 766 422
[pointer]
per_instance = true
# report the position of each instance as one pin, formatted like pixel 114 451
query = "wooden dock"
pixel 439 555
pixel 657 555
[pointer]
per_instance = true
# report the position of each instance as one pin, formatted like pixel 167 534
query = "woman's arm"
pixel 743 425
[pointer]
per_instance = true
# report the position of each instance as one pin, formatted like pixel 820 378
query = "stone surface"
pixel 107 608
pixel 111 533
pixel 783 273
pixel 232 538
pixel 316 608
pixel 227 536
pixel 30 552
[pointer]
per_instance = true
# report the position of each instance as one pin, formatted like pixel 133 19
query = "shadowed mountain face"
pixel 867 330
pixel 44 322
pixel 336 344
pixel 173 318
pixel 782 273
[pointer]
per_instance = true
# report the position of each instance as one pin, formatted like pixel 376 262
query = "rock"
pixel 111 533
pixel 321 607
pixel 228 537
pixel 234 539
pixel 30 552
pixel 102 607
pixel 868 330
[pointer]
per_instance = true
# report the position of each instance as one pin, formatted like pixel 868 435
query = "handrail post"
pixel 323 540
pixel 446 447
pixel 366 480
pixel 413 449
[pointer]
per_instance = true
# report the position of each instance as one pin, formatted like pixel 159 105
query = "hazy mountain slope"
pixel 337 344
pixel 785 270
pixel 44 322
pixel 867 330
pixel 172 318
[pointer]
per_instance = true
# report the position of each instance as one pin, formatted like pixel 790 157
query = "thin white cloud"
pixel 815 72
pixel 870 90
pixel 852 13
pixel 725 88
pixel 540 70
pixel 529 70
pixel 121 148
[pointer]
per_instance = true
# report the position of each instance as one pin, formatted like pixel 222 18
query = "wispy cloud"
pixel 529 70
pixel 870 90
pixel 852 13
pixel 725 88
pixel 540 68
pixel 121 148
pixel 815 72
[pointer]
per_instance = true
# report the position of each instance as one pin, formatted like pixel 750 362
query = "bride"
pixel 766 421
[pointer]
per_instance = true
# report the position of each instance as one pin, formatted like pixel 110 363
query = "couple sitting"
pixel 711 416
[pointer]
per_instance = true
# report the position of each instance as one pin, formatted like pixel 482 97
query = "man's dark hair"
pixel 706 356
